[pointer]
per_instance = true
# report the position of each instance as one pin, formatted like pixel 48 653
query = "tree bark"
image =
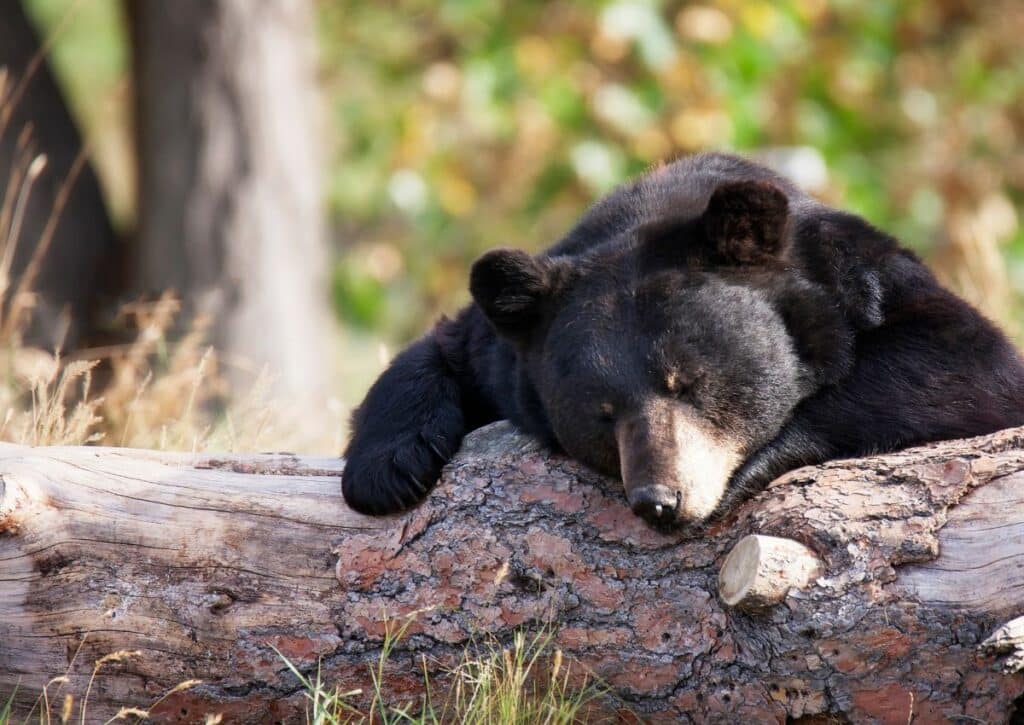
pixel 201 564
pixel 67 262
pixel 229 179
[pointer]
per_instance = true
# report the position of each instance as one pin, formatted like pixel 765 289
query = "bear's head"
pixel 669 357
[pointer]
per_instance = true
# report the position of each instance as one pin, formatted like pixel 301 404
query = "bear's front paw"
pixel 387 478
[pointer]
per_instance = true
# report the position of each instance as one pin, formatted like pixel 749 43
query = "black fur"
pixel 800 331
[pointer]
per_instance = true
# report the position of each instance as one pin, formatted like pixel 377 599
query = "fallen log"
pixel 204 565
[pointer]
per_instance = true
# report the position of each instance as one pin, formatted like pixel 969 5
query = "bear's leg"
pixel 408 427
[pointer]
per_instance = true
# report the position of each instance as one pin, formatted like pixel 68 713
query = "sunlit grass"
pixel 528 682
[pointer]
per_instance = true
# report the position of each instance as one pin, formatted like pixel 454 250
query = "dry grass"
pixel 64 707
pixel 153 392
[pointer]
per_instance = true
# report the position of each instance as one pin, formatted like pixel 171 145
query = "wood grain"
pixel 981 552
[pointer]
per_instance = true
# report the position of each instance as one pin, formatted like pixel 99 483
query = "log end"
pixel 760 570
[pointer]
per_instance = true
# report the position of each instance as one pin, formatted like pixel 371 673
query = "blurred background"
pixel 301 185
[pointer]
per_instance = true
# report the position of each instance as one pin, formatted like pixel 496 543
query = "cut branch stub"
pixel 1008 639
pixel 760 571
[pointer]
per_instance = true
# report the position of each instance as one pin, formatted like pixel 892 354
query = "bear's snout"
pixel 655 503
pixel 674 467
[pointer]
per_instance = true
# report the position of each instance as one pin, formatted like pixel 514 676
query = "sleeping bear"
pixel 699 332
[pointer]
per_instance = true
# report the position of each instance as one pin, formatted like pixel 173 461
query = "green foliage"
pixel 460 125
pixel 86 35
pixel 88 49
pixel 467 125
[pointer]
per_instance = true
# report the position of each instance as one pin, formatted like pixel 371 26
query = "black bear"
pixel 699 332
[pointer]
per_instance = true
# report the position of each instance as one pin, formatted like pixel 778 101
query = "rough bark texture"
pixel 202 564
pixel 35 120
pixel 229 178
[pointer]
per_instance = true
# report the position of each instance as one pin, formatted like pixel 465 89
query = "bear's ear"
pixel 746 222
pixel 511 288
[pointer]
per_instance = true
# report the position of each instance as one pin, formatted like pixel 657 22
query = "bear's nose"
pixel 655 503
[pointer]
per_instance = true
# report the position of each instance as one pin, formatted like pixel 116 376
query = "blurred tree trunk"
pixel 66 260
pixel 229 184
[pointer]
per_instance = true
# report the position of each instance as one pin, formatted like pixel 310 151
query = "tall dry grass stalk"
pixel 153 392
pixel 46 708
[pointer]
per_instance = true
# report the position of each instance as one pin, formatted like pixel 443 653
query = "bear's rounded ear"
pixel 746 222
pixel 512 287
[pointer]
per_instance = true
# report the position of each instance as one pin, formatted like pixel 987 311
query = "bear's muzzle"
pixel 675 466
